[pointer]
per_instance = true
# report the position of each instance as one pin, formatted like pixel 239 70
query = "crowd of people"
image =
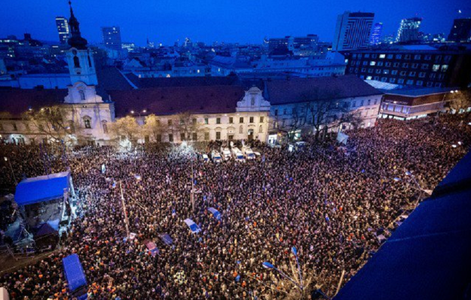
pixel 331 202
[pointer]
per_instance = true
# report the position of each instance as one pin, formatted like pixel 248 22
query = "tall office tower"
pixel 408 30
pixel 461 30
pixel 112 37
pixel 375 38
pixel 352 31
pixel 63 29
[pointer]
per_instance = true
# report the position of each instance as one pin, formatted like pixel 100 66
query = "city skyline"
pixel 168 21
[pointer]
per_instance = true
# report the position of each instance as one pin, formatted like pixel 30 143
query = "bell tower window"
pixel 82 95
pixel 89 58
pixel 76 62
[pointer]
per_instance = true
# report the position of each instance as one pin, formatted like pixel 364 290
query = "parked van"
pixel 216 157
pixel 226 153
pixel 237 154
pixel 249 154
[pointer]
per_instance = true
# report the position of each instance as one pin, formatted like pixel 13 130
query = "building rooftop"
pixel 180 81
pixel 17 101
pixel 178 99
pixel 296 90
pixel 418 92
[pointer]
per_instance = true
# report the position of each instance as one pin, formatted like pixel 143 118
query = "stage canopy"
pixel 42 188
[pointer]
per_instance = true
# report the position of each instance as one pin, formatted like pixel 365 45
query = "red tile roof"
pixel 16 101
pixel 296 90
pixel 173 100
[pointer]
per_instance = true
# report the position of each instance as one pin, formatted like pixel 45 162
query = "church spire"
pixel 76 40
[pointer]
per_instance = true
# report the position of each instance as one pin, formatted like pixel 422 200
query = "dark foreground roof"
pixel 429 255
pixel 174 100
pixel 16 101
pixel 297 90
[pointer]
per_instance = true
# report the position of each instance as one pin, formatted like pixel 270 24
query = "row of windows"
pixel 396 72
pixel 445 58
pixel 218 121
pixel 345 104
pixel 403 81
pixel 435 67
pixel 194 136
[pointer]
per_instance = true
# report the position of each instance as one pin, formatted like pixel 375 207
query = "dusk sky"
pixel 244 21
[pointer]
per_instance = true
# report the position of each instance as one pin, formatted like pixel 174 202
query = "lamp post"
pixel 139 112
pixel 295 253
pixel 126 220
pixel 11 168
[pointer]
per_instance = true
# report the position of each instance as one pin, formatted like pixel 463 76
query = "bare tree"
pixel 353 118
pixel 461 101
pixel 154 127
pixel 187 125
pixel 52 122
pixel 325 111
pixel 125 128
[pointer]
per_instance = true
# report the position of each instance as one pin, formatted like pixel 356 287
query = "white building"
pixel 297 101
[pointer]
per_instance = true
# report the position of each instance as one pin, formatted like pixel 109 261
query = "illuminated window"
pixel 87 122
pixel 435 68
pixel 382 55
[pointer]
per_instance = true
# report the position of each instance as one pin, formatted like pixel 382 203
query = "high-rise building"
pixel 112 37
pixel 375 38
pixel 63 29
pixel 129 46
pixel 461 30
pixel 352 31
pixel 408 30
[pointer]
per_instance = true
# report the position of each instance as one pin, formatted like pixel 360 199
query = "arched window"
pixel 82 95
pixel 76 62
pixel 87 122
pixel 105 127
pixel 241 129
pixel 260 129
pixel 89 59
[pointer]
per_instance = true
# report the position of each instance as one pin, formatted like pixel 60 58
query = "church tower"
pixel 87 113
pixel 81 66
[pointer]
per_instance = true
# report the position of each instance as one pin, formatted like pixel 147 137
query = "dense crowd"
pixel 328 201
